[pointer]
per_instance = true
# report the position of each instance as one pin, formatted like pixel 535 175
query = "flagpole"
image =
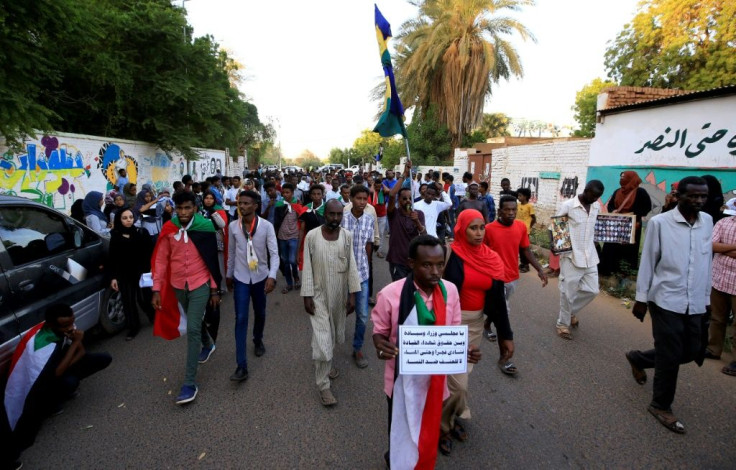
pixel 411 178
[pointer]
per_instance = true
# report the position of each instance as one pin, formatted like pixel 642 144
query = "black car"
pixel 47 257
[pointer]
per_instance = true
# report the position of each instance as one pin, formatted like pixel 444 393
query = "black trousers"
pixel 133 296
pixel 211 323
pixel 677 340
pixel 398 271
pixel 46 396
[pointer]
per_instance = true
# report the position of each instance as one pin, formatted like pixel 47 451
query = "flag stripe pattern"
pixel 391 121
pixel 417 408
pixel 29 359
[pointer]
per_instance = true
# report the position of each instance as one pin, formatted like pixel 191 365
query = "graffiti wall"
pixel 58 169
pixel 665 144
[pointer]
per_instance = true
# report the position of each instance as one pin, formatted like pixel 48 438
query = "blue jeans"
pixel 242 295
pixel 362 313
pixel 287 254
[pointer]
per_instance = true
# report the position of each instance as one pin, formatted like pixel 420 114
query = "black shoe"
pixel 239 375
pixel 710 355
pixel 260 349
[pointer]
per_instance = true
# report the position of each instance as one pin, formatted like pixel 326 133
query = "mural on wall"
pixel 160 167
pixel 569 187
pixel 657 181
pixel 531 182
pixel 110 159
pixel 57 170
pixel 52 173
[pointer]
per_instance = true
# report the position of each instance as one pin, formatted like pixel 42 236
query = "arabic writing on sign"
pixel 679 139
pixel 433 350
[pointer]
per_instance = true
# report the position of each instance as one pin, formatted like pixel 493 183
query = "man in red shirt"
pixel 186 276
pixel 506 236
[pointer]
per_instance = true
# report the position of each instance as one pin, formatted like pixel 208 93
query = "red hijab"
pixel 481 258
pixel 625 196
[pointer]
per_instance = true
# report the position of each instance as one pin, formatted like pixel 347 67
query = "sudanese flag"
pixel 171 320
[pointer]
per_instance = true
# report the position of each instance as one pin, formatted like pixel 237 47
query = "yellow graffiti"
pixel 111 172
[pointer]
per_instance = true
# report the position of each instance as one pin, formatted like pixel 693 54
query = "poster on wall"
pixel 615 228
pixel 559 234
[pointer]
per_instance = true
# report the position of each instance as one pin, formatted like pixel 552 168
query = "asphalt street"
pixel 573 404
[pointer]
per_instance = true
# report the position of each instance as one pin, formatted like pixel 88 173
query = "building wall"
pixel 554 172
pixel 60 168
pixel 666 143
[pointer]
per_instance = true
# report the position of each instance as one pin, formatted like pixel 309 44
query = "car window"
pixel 29 234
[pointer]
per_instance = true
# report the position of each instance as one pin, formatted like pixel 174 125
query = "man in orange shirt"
pixel 506 236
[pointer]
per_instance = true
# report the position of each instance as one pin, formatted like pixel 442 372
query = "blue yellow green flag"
pixel 392 119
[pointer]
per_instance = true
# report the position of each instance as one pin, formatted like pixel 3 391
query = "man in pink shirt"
pixel 411 445
pixel 186 273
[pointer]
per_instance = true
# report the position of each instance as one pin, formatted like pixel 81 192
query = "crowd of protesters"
pixel 455 257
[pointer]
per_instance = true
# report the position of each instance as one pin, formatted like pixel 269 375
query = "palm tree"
pixel 452 53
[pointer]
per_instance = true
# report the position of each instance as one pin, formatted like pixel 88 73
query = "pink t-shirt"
pixel 385 316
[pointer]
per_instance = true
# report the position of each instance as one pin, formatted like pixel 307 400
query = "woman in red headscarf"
pixel 629 198
pixel 476 270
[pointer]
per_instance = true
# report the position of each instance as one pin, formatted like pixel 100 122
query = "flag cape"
pixel 417 399
pixel 29 359
pixel 391 121
pixel 171 320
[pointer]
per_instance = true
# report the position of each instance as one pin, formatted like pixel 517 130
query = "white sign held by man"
pixel 433 350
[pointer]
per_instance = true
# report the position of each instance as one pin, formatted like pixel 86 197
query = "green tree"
pixel 430 139
pixel 689 44
pixel 586 100
pixel 366 146
pixel 452 53
pixel 308 159
pixel 122 68
pixel 28 32
pixel 495 125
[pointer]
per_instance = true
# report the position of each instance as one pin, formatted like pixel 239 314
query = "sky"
pixel 309 67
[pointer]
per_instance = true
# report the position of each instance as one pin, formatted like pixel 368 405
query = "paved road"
pixel 573 404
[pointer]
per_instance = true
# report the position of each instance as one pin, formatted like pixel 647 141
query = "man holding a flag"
pixel 415 401
pixel 46 369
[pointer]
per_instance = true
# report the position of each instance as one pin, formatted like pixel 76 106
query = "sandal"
pixel 564 333
pixel 507 367
pixel 489 335
pixel 667 419
pixel 286 289
pixel 730 369
pixel 639 374
pixel 574 322
pixel 459 432
pixel 327 398
pixel 445 445
pixel 297 284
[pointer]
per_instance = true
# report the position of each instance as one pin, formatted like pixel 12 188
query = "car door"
pixel 38 244
pixel 9 332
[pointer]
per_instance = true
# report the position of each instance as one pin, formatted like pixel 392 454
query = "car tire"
pixel 112 315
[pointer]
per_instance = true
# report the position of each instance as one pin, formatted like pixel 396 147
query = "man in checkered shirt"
pixel 360 225
pixel 723 290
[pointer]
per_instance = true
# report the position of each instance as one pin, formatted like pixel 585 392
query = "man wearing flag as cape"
pixel 186 276
pixel 415 401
